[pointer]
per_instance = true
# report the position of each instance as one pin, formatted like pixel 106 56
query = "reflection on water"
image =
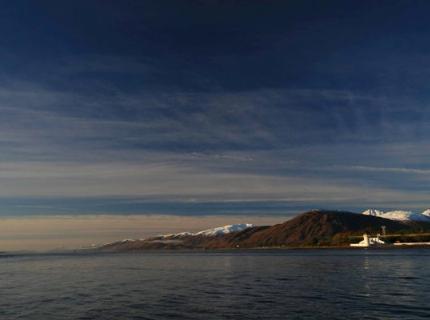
pixel 308 284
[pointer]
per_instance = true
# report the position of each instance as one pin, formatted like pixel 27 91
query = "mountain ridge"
pixel 401 215
pixel 312 228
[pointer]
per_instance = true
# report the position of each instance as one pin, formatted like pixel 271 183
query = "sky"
pixel 213 108
pixel 59 233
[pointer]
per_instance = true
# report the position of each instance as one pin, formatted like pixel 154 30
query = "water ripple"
pixel 301 284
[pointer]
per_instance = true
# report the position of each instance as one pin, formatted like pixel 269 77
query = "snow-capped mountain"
pixel 305 229
pixel 399 215
pixel 373 212
pixel 225 229
pixel 426 213
pixel 215 231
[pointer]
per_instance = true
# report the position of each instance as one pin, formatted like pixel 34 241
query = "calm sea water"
pixel 308 284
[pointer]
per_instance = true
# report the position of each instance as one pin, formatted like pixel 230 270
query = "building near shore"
pixel 369 242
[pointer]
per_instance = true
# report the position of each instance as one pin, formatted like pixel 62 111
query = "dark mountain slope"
pixel 316 227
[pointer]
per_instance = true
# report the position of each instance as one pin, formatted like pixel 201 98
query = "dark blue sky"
pixel 200 107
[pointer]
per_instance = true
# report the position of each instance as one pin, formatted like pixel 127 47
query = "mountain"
pixel 426 213
pixel 319 227
pixel 313 228
pixel 215 231
pixel 183 240
pixel 400 215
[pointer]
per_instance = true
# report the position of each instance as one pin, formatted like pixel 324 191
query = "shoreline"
pixel 304 248
pixel 11 254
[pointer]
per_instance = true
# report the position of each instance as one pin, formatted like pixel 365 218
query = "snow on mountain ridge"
pixel 426 213
pixel 399 215
pixel 225 229
pixel 373 212
pixel 215 231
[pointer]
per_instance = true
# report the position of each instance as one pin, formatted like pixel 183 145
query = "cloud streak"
pixel 320 146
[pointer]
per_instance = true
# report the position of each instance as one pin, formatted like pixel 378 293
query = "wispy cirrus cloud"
pixel 386 169
pixel 197 121
pixel 320 146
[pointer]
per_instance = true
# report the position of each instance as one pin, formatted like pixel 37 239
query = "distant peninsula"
pixel 312 229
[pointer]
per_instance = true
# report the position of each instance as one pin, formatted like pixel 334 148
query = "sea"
pixel 255 284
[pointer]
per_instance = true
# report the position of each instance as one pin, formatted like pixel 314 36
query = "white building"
pixel 368 242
